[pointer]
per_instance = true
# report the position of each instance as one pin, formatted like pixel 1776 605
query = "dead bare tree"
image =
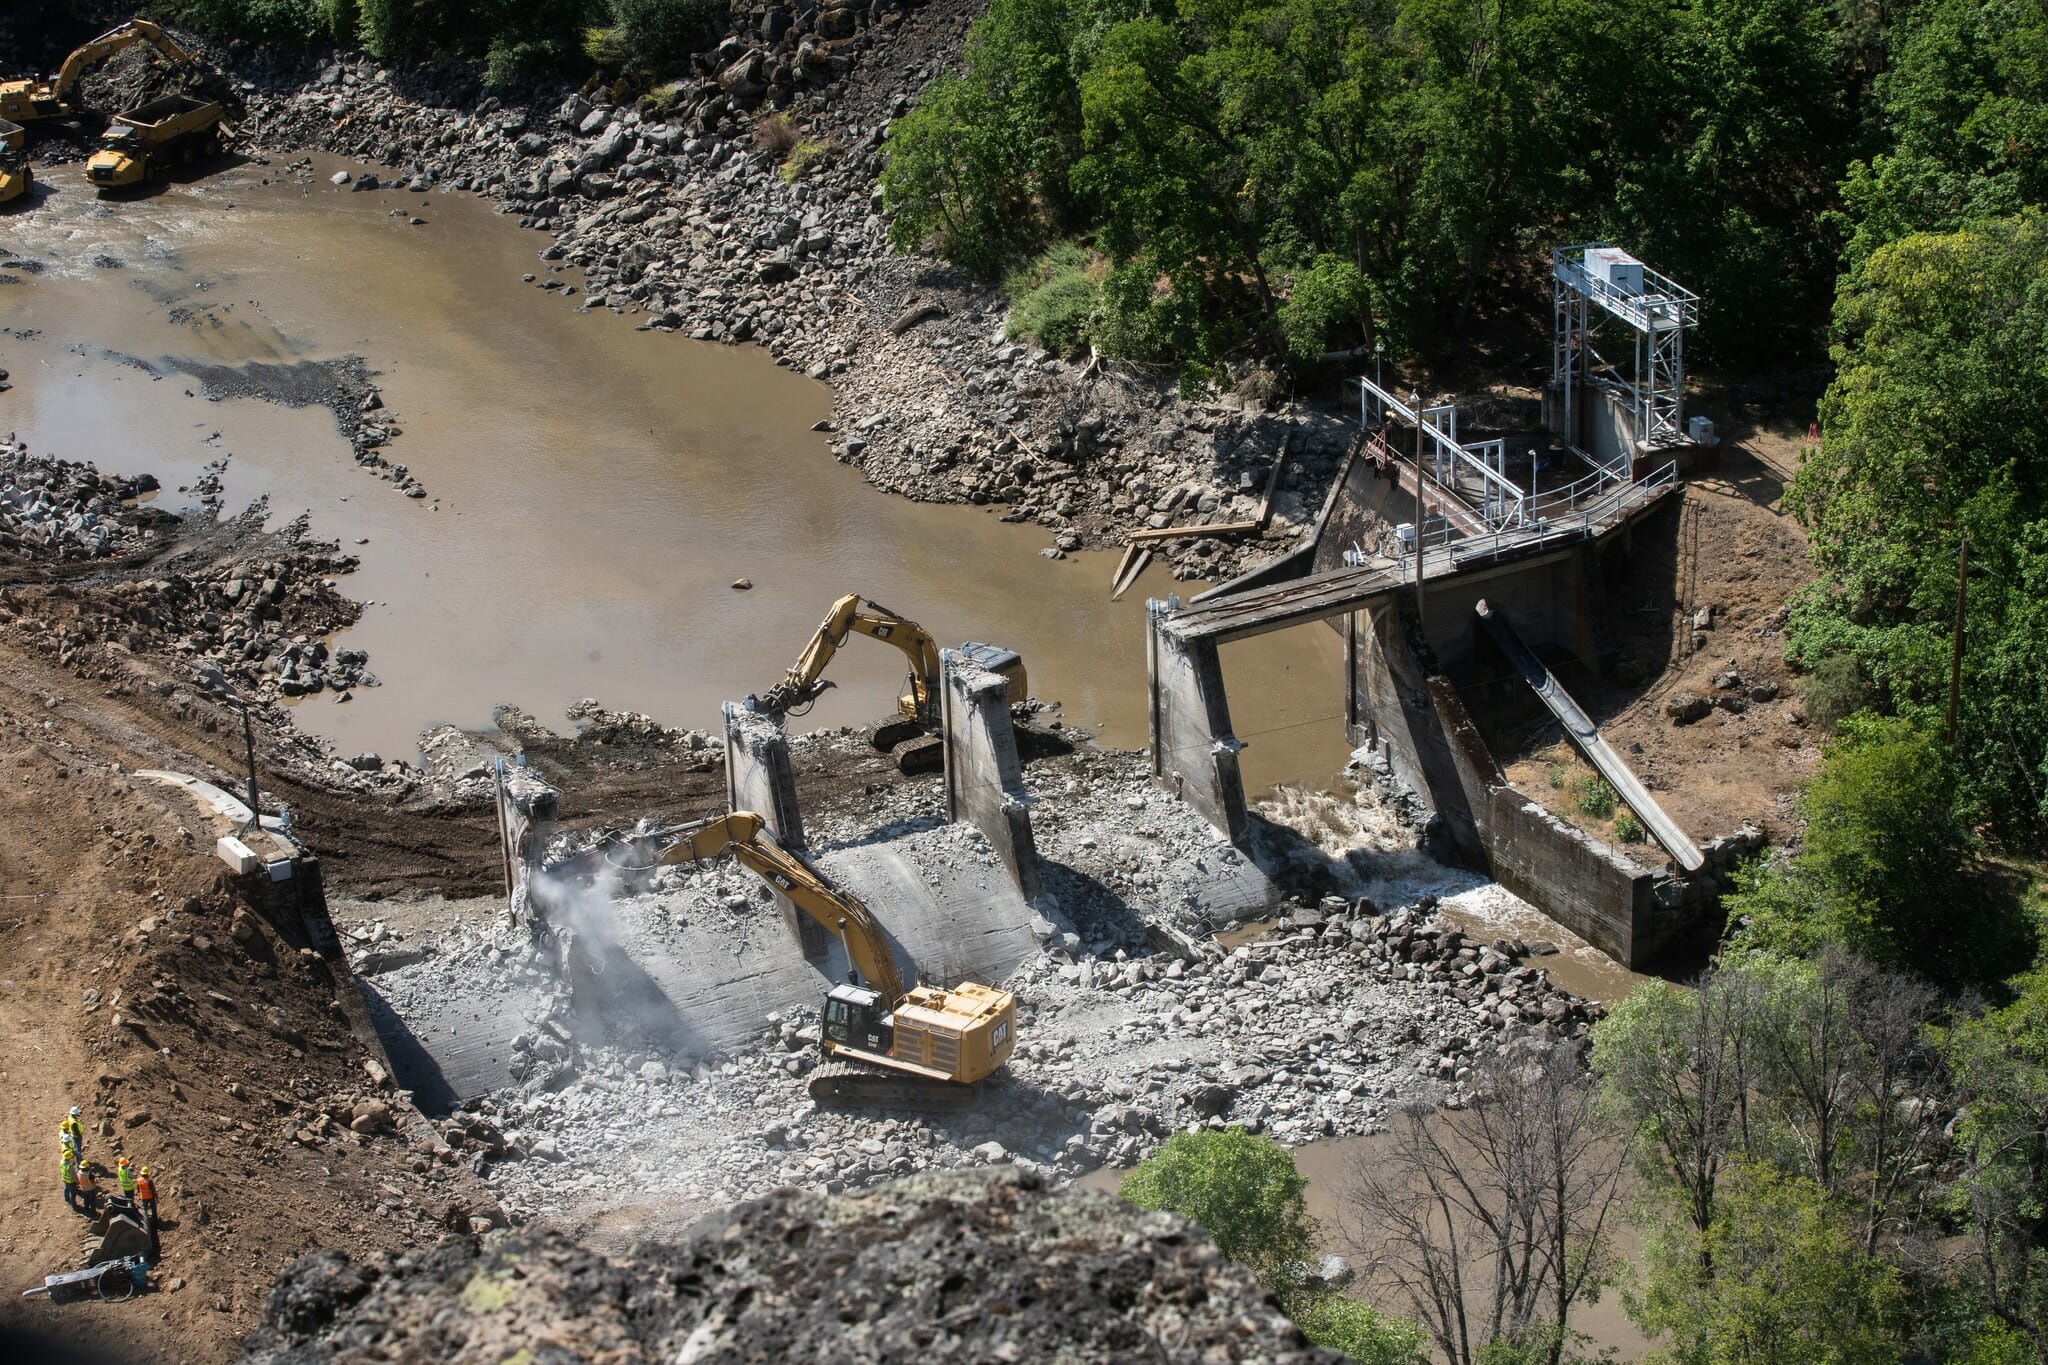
pixel 1492 1221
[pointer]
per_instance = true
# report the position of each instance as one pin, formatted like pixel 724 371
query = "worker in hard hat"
pixel 67 1170
pixel 71 1134
pixel 124 1175
pixel 145 1194
pixel 88 1189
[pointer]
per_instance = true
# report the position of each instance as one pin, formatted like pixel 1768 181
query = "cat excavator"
pixel 927 1047
pixel 917 711
pixel 32 100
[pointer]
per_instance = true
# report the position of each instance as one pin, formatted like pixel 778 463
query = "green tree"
pixel 1964 105
pixel 979 169
pixel 1884 866
pixel 2001 1065
pixel 1243 1190
pixel 1777 1278
pixel 1366 1335
pixel 1933 426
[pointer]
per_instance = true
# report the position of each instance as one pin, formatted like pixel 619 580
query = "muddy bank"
pixel 680 222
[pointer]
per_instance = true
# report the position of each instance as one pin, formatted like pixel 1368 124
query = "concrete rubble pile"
pixel 678 219
pixel 1131 1027
pixel 999 1267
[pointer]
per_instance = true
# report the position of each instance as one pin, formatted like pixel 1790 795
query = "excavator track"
pixel 849 1085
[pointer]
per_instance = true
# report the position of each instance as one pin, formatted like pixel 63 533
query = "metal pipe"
pixel 249 748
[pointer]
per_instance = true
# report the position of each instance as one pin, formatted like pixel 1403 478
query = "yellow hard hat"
pixel 145 1170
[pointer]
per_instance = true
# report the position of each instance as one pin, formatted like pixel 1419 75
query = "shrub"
pixel 776 135
pixel 1557 774
pixel 807 153
pixel 1054 300
pixel 658 33
pixel 1243 1190
pixel 1836 690
pixel 1627 828
pixel 1597 800
pixel 1367 1336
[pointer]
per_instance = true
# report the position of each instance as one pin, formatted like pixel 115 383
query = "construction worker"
pixel 145 1195
pixel 67 1169
pixel 71 1134
pixel 124 1174
pixel 88 1189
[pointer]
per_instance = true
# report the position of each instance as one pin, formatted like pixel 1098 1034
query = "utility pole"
pixel 1955 661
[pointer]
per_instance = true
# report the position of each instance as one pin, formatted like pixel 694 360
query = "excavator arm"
pixel 107 44
pixel 855 615
pixel 746 836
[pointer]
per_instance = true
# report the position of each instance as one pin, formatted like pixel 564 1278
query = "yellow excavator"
pixel 927 1047
pixel 917 711
pixel 32 100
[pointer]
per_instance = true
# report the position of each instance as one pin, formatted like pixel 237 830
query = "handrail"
pixel 1502 493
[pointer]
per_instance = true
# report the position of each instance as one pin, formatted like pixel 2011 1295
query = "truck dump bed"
pixel 161 110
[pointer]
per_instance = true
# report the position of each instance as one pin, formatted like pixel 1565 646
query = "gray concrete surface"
pixel 759 778
pixel 984 775
pixel 1194 752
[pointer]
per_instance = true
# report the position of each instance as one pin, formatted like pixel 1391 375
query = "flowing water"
pixel 595 490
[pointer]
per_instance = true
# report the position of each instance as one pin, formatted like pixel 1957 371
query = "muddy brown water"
pixel 594 490
pixel 1329 1167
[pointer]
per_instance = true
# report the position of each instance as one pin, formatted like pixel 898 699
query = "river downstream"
pixel 594 490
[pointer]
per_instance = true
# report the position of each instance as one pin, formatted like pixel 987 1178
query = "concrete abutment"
pixel 984 773
pixel 760 778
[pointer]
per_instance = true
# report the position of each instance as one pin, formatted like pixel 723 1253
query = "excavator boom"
pixel 855 615
pixel 746 837
pixel 926 1047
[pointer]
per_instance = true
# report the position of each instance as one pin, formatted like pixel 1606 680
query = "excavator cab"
pixel 858 1018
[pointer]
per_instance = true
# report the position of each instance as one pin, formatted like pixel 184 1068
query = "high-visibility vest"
pixel 68 1130
pixel 68 1169
pixel 126 1174
pixel 143 1189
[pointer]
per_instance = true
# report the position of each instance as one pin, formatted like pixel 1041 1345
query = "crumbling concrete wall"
pixel 528 813
pixel 1194 753
pixel 759 778
pixel 984 774
pixel 1417 721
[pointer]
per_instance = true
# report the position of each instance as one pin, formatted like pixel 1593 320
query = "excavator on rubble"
pixel 33 100
pixel 928 1047
pixel 917 711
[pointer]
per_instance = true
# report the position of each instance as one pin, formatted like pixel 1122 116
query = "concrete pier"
pixel 759 778
pixel 984 774
pixel 1194 753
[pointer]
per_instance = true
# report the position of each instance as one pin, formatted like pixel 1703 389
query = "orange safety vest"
pixel 144 1190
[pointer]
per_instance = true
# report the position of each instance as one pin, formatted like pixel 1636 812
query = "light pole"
pixel 216 682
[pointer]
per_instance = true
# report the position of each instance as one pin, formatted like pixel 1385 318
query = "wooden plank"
pixel 1273 479
pixel 1136 559
pixel 1221 528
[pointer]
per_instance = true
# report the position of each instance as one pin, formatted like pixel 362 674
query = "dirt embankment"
pixel 1696 693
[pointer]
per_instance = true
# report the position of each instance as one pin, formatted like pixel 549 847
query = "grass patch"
pixel 808 152
pixel 1627 828
pixel 1055 300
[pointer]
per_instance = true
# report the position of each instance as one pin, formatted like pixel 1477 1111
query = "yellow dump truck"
pixel 16 178
pixel 151 138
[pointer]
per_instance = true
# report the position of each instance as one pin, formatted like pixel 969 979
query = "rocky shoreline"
pixel 692 223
